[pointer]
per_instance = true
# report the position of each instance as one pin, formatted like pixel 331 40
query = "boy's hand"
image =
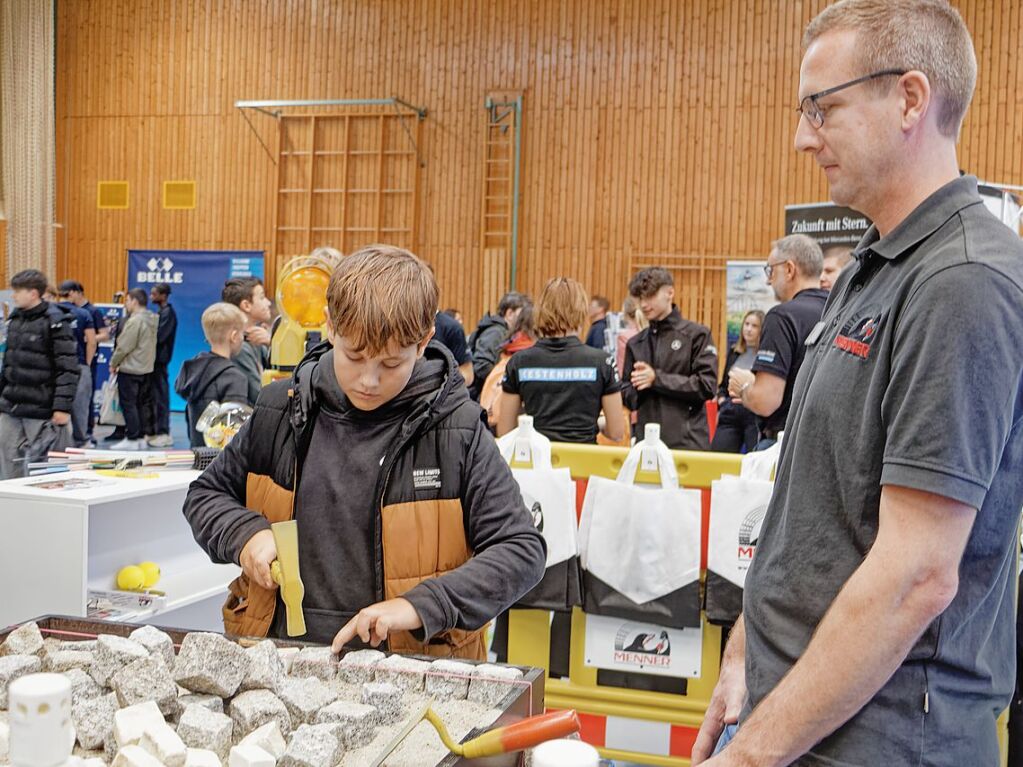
pixel 257 335
pixel 643 376
pixel 257 555
pixel 373 623
pixel 59 418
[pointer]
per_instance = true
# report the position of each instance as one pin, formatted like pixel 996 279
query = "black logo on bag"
pixel 749 532
pixel 535 510
pixel 649 644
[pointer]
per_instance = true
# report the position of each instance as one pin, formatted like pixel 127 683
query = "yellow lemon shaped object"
pixel 151 571
pixel 131 578
pixel 303 295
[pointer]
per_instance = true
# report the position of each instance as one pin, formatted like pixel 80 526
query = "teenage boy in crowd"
pixel 38 377
pixel 211 376
pixel 74 291
pixel 248 294
pixel 159 392
pixel 85 339
pixel 599 307
pixel 492 331
pixel 374 440
pixel 670 367
pixel 132 361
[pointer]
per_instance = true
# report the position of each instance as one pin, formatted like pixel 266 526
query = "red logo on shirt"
pixel 858 335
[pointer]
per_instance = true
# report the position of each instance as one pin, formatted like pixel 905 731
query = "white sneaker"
pixel 128 444
pixel 161 440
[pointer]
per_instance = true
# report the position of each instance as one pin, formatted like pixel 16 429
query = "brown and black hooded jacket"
pixel 410 500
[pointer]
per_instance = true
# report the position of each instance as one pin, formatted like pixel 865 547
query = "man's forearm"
pixel 860 643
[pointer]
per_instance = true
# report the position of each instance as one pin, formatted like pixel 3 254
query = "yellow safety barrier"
pixel 529 635
pixel 529 630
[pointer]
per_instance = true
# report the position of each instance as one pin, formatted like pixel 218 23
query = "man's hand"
pixel 737 380
pixel 60 418
pixel 257 335
pixel 643 376
pixel 114 370
pixel 257 555
pixel 374 623
pixel 726 702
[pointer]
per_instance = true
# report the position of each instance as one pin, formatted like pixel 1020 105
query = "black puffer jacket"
pixel 40 370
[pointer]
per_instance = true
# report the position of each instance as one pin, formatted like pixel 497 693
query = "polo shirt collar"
pixel 924 221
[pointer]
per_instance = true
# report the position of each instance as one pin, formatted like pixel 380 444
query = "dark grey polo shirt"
pixel 915 380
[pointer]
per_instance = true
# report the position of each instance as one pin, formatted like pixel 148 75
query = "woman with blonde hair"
pixel 737 426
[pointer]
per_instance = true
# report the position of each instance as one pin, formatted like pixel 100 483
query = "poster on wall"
pixel 832 226
pixel 616 644
pixel 746 289
pixel 196 278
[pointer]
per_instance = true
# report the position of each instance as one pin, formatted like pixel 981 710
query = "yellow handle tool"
pixel 284 571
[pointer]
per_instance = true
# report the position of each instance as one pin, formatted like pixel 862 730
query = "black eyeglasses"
pixel 811 110
pixel 769 267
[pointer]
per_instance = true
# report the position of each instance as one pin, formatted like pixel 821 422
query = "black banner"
pixel 830 225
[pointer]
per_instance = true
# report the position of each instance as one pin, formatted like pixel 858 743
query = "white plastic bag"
pixel 642 542
pixel 762 464
pixel 110 412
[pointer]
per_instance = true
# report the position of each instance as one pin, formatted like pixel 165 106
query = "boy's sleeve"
pixel 510 382
pixel 702 380
pixel 215 504
pixel 65 363
pixel 609 376
pixel 509 558
pixel 630 397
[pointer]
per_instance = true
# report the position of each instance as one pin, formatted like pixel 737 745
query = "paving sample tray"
pixel 218 690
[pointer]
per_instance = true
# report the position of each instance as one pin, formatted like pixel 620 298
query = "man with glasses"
pixel 794 273
pixel 878 621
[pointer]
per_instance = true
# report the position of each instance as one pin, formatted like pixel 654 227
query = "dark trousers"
pixel 737 429
pixel 132 389
pixel 159 400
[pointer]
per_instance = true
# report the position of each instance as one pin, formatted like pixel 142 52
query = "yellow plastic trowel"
pixel 284 571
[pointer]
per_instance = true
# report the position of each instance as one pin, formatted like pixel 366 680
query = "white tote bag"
pixel 639 545
pixel 549 494
pixel 737 510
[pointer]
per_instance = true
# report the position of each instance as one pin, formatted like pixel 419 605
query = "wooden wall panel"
pixel 649 127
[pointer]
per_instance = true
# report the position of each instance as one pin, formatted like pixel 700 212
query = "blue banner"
pixel 196 278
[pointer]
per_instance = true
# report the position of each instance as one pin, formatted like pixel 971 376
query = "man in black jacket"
pixel 38 377
pixel 159 393
pixel 493 330
pixel 670 367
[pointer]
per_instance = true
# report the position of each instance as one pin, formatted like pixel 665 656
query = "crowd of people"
pixel 643 364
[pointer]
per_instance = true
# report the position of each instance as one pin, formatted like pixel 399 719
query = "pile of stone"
pixel 137 703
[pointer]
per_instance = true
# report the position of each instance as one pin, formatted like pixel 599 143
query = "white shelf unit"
pixel 55 545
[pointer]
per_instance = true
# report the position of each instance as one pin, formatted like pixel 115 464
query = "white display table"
pixel 56 543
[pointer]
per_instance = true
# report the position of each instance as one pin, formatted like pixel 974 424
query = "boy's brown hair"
pixel 563 307
pixel 219 319
pixel 379 294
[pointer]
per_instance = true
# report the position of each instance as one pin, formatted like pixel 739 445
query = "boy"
pixel 492 331
pixel 412 530
pixel 85 339
pixel 132 361
pixel 38 377
pixel 211 376
pixel 248 294
pixel 670 367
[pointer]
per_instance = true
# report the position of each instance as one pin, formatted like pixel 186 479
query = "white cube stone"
pixel 112 654
pixel 304 697
pixel 62 661
pixel 135 756
pixel 288 655
pixel 163 743
pixel 266 669
pixel 387 699
pixel 212 703
pixel 448 679
pixel 27 639
pixel 407 674
pixel 156 641
pixel 130 723
pixel 314 745
pixel 359 666
pixel 14 666
pixel 250 756
pixel 201 728
pixel 146 679
pixel 491 683
pixel 251 710
pixel 83 686
pixel 94 719
pixel 269 738
pixel 317 662
pixel 210 663
pixel 356 722
pixel 200 757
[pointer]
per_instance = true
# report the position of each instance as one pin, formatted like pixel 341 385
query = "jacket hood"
pixel 489 321
pixel 147 317
pixel 435 389
pixel 199 372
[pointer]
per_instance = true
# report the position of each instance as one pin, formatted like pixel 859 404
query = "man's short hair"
pixel 562 308
pixel 602 302
pixel 30 279
pixel 924 35
pixel 511 300
pixel 648 281
pixel 140 296
pixel 69 286
pixel 381 294
pixel 162 288
pixel 804 252
pixel 219 319
pixel 238 289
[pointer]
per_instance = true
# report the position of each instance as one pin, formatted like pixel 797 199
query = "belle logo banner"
pixel 196 278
